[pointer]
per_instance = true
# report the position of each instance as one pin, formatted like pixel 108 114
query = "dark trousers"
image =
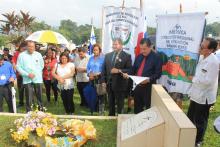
pixel 199 114
pixel 80 87
pixel 48 84
pixel 20 90
pixel 142 98
pixel 29 93
pixel 116 97
pixel 67 97
pixel 5 92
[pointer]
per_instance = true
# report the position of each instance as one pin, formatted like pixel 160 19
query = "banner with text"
pixel 178 40
pixel 120 23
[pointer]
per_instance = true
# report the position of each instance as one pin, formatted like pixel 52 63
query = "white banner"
pixel 178 40
pixel 120 23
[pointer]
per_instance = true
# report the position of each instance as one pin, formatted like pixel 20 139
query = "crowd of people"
pixel 108 74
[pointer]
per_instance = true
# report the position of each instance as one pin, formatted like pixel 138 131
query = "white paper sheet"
pixel 137 80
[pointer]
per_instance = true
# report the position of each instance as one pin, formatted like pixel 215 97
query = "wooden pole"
pixel 123 4
pixel 92 21
pixel 141 5
pixel 102 30
pixel 181 8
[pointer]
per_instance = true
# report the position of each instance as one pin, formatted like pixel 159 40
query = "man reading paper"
pixel 147 64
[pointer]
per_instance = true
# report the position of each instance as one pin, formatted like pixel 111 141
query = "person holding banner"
pixel 115 63
pixel 7 76
pixel 204 88
pixel 146 64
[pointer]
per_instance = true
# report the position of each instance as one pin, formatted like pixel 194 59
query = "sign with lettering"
pixel 178 41
pixel 120 23
pixel 139 123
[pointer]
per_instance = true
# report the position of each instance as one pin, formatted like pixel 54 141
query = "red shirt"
pixel 48 66
pixel 15 57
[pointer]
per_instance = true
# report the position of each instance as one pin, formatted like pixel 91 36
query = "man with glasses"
pixel 204 88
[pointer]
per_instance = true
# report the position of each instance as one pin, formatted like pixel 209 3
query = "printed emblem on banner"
pixel 121 31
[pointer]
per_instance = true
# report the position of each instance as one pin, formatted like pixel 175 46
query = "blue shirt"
pixel 30 63
pixel 95 65
pixel 6 72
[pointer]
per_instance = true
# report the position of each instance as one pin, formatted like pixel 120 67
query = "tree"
pixel 37 26
pixel 16 26
pixel 151 31
pixel 213 29
pixel 78 34
pixel 3 40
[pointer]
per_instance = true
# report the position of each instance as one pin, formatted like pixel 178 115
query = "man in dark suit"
pixel 115 63
pixel 147 64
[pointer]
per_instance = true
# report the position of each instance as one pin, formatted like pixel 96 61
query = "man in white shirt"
pixel 217 53
pixel 204 88
pixel 82 79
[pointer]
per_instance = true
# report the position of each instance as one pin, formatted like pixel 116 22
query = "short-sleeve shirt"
pixel 62 71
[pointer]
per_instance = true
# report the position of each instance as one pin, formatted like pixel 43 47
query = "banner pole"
pixel 181 8
pixel 102 30
pixel 123 4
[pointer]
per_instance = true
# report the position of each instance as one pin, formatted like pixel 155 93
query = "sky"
pixel 81 11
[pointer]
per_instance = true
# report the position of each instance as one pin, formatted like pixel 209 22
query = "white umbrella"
pixel 217 124
pixel 13 91
pixel 47 36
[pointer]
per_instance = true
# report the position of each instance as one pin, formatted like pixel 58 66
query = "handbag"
pixel 100 89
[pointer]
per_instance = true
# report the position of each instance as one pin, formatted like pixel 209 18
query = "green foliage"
pixel 106 129
pixel 16 26
pixel 3 40
pixel 37 26
pixel 151 31
pixel 213 29
pixel 78 34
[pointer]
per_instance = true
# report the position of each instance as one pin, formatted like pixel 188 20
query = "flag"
pixel 92 41
pixel 142 29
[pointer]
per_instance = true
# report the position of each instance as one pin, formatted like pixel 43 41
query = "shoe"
pixel 198 144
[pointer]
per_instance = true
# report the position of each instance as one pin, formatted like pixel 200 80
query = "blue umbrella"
pixel 90 95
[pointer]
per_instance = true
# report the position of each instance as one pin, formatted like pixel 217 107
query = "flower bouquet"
pixel 39 129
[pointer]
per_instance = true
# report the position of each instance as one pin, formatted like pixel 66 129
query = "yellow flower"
pixel 40 131
pixel 55 141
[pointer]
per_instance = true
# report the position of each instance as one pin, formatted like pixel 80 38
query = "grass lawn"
pixel 106 129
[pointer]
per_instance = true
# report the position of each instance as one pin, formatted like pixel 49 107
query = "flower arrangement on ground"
pixel 38 129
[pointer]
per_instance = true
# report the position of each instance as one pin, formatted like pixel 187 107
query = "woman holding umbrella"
pixel 64 73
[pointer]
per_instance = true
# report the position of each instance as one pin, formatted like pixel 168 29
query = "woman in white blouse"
pixel 64 72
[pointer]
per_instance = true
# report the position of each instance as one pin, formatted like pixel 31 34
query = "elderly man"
pixel 204 88
pixel 115 63
pixel 7 76
pixel 30 65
